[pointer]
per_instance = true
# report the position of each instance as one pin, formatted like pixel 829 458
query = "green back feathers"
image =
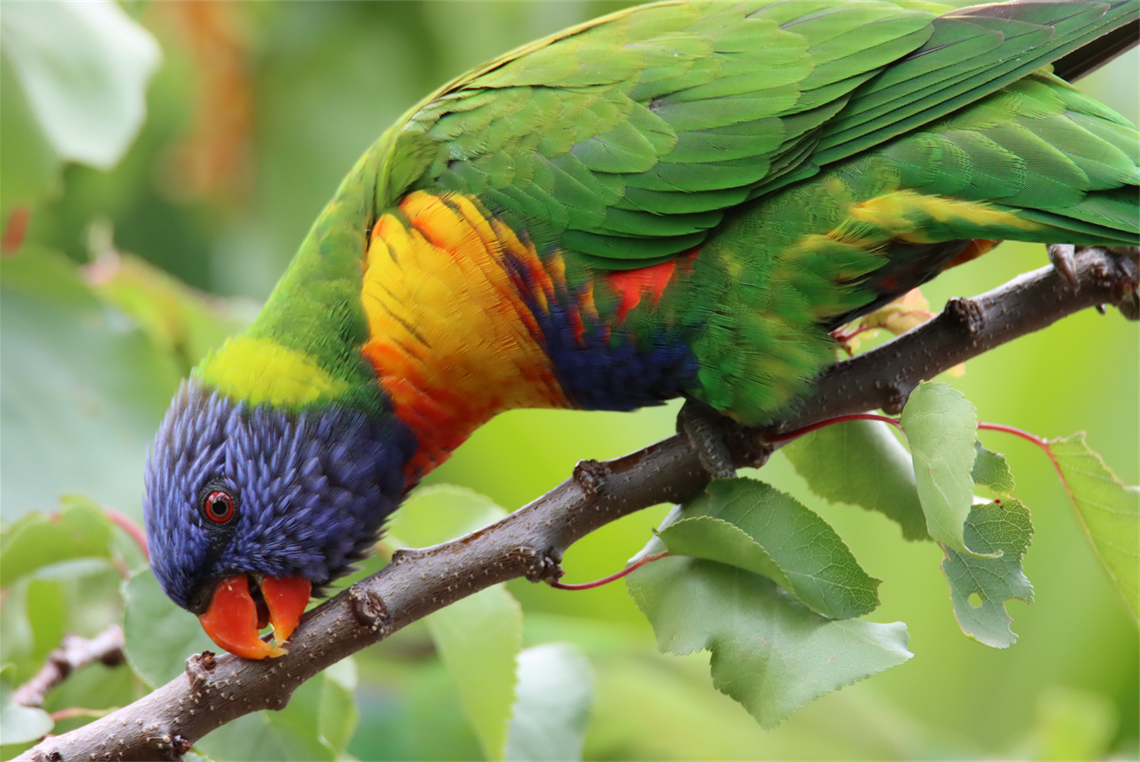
pixel 625 141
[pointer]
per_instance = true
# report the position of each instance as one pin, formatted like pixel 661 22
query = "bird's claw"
pixel 704 428
pixel 1128 260
pixel 1061 255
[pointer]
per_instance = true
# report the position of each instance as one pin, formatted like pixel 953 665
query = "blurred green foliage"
pixel 254 115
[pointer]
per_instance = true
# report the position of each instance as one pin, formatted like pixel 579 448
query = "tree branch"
pixel 74 653
pixel 530 542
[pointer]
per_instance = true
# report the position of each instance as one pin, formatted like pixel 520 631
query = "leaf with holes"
pixel 1001 527
pixel 991 470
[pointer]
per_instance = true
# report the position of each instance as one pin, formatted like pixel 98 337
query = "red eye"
pixel 218 507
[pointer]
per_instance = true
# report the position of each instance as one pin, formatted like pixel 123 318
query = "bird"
pixel 682 199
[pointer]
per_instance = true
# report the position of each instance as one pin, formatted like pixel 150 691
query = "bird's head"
pixel 249 508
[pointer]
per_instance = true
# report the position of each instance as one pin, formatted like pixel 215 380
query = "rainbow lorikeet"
pixel 677 199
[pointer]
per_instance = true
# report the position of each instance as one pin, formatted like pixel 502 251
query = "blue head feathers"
pixel 309 491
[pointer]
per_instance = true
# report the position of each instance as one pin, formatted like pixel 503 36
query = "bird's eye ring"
pixel 219 506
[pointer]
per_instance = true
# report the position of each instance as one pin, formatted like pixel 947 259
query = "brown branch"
pixel 531 541
pixel 73 654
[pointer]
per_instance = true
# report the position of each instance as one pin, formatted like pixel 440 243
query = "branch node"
pixel 368 609
pixel 543 566
pixel 590 476
pixel 748 448
pixel 74 653
pixel 967 313
pixel 166 746
pixel 404 555
pixel 896 399
pixel 198 668
pixel 181 745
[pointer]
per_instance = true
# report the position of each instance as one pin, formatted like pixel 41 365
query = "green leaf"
pixel 160 637
pixel 20 724
pixel 338 713
pixel 991 469
pixel 753 526
pixel 940 426
pixel 436 514
pixel 317 724
pixel 1001 527
pixel 291 734
pixel 1109 511
pixel 184 323
pixel 862 463
pixel 479 637
pixel 47 616
pixel 83 68
pixel 80 530
pixel 82 393
pixel 555 691
pixel 29 168
pixel 769 652
pixel 252 737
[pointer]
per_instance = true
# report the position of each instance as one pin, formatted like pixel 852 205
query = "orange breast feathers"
pixel 452 341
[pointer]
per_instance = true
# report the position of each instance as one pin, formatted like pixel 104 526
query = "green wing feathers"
pixel 625 141
pixel 1035 161
pixel 819 157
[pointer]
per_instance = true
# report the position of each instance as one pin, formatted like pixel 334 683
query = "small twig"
pixel 15 227
pixel 74 653
pixel 787 436
pixel 1045 446
pixel 611 578
pixel 530 542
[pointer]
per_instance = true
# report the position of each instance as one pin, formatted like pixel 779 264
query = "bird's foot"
pixel 705 429
pixel 1129 304
pixel 1061 255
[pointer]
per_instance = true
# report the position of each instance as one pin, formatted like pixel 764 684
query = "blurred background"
pixel 254 114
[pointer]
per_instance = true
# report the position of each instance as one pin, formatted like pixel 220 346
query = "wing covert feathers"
pixel 625 141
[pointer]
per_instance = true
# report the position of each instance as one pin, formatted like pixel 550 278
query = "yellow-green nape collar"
pixel 262 371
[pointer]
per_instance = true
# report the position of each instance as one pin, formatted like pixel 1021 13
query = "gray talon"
pixel 1061 255
pixel 704 428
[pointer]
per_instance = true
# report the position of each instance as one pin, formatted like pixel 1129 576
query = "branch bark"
pixel 530 542
pixel 73 654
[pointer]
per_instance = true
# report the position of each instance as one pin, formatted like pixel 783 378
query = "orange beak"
pixel 233 621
